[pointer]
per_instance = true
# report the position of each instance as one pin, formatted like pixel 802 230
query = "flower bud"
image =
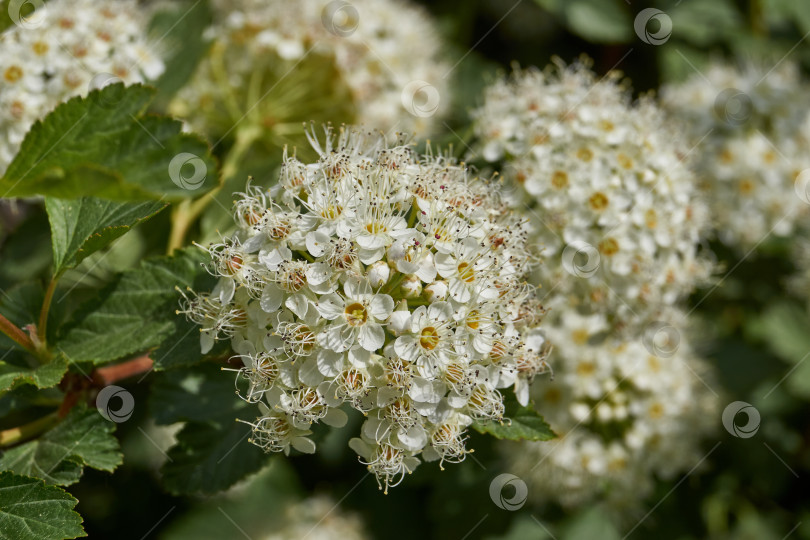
pixel 411 286
pixel 378 274
pixel 436 291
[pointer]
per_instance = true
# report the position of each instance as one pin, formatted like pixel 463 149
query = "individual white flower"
pixel 74 47
pixel 617 210
pixel 357 317
pixel 750 128
pixel 324 303
pixel 274 64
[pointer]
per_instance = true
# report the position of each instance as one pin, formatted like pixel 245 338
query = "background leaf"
pixel 83 439
pixel 179 26
pixel 519 424
pixel 103 145
pixel 210 457
pixel 30 510
pixel 80 227
pixel 44 376
pixel 136 312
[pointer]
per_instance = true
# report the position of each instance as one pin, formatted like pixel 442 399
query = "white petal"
pixel 413 439
pixel 445 264
pixel 381 306
pixel 407 347
pixel 206 342
pixel 318 273
pixel 362 448
pixel 440 311
pixel 335 418
pixel 298 304
pixel 271 298
pixel 330 306
pixel 459 291
pixel 359 357
pixel 309 374
pixel 371 336
pixel 303 445
pixel 316 243
pixel 330 363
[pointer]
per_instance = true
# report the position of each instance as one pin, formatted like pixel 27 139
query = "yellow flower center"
pixel 465 272
pixel 356 314
pixel 429 338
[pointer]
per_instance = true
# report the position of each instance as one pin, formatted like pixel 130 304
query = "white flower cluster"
pixel 751 129
pixel 59 51
pixel 383 280
pixel 318 518
pixel 280 63
pixel 623 414
pixel 617 208
pixel 619 217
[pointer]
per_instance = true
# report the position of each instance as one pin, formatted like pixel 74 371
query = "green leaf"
pixel 703 23
pixel 599 21
pixel 182 347
pixel 104 145
pixel 205 394
pixel 13 374
pixel 80 227
pixel 83 439
pixel 785 328
pixel 210 457
pixel 179 26
pixel 30 510
pixel 136 312
pixel 519 424
pixel 212 451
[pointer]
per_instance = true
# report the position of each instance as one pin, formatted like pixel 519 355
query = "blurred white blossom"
pixel 751 129
pixel 276 64
pixel 617 209
pixel 624 415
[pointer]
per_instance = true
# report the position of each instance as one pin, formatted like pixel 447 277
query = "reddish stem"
pixel 111 374
pixel 9 329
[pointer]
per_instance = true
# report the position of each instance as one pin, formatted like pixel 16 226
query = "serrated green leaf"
pixel 80 227
pixel 83 439
pixel 519 424
pixel 203 395
pixel 599 21
pixel 136 312
pixel 210 457
pixel 103 145
pixel 44 376
pixel 31 510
